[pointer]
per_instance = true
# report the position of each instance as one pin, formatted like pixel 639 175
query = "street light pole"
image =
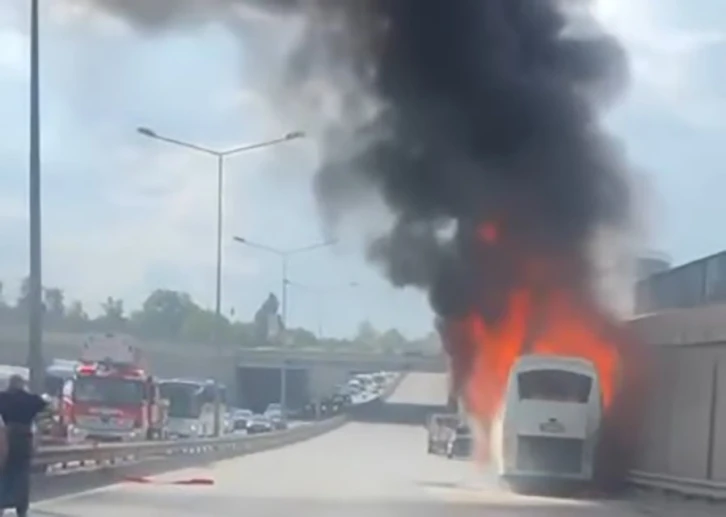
pixel 285 259
pixel 319 295
pixel 220 157
pixel 284 255
pixel 218 290
pixel 35 282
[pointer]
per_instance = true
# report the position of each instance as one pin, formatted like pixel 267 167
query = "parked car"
pixel 241 418
pixel 274 414
pixel 259 424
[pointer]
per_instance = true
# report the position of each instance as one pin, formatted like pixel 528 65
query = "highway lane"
pixel 421 388
pixel 360 470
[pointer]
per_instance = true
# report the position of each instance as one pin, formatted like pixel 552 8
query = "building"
pixel 698 283
pixel 652 264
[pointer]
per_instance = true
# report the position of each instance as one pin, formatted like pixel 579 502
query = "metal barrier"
pixel 62 458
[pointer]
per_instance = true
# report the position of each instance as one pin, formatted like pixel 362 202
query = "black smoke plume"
pixel 488 111
pixel 460 114
pixel 485 110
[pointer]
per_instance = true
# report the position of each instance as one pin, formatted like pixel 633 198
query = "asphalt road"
pixel 360 470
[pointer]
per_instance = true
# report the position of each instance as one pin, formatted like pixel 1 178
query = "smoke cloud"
pixel 477 122
pixel 481 111
pixel 456 113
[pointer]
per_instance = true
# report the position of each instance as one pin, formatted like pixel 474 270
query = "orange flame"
pixel 543 315
pixel 567 330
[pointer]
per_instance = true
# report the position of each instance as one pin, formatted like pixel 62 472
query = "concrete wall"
pixel 258 386
pixel 684 434
pixel 324 379
pixel 199 360
pixel 302 358
pixel 164 360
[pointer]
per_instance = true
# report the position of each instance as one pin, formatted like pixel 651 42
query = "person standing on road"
pixel 18 409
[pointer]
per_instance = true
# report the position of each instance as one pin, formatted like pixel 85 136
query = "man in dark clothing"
pixel 18 409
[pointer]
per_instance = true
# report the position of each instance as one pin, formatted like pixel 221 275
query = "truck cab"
pixel 111 396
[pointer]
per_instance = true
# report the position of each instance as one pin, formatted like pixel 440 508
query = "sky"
pixel 123 214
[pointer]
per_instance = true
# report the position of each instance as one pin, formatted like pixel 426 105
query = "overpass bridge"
pixel 296 358
pixel 256 376
pixel 691 342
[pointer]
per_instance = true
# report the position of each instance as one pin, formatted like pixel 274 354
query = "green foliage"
pixel 173 316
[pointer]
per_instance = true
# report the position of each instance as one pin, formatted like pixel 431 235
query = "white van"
pixel 550 421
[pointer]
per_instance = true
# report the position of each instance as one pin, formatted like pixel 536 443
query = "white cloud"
pixel 158 211
pixel 122 214
pixel 13 51
pixel 662 53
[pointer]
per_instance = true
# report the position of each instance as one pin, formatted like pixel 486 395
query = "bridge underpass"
pixel 364 469
pixel 312 375
pixel 258 386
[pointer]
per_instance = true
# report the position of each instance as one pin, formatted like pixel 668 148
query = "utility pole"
pixel 35 282
pixel 220 156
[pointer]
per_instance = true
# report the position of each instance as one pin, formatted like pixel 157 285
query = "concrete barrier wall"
pixel 684 432
pixel 164 362
pixel 719 446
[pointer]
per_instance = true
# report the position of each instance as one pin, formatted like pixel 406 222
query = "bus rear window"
pixel 555 386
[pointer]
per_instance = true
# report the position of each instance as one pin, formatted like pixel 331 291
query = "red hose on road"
pixel 191 481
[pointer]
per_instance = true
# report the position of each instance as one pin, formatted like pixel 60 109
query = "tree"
pixel 242 333
pixel 199 325
pixel 392 341
pixel 268 323
pixel 367 334
pixel 22 305
pixel 23 299
pixel 76 317
pixel 55 303
pixel 169 315
pixel 163 313
pixel 6 313
pixel 113 315
pixel 302 338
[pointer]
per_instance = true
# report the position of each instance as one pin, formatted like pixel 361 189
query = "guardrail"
pixel 52 459
pixel 686 487
pixel 63 469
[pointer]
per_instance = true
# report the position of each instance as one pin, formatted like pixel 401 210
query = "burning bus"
pixel 550 422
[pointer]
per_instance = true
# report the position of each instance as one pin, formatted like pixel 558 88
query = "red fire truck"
pixel 111 396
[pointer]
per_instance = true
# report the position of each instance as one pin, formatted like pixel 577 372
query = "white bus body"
pixel 191 407
pixel 550 421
